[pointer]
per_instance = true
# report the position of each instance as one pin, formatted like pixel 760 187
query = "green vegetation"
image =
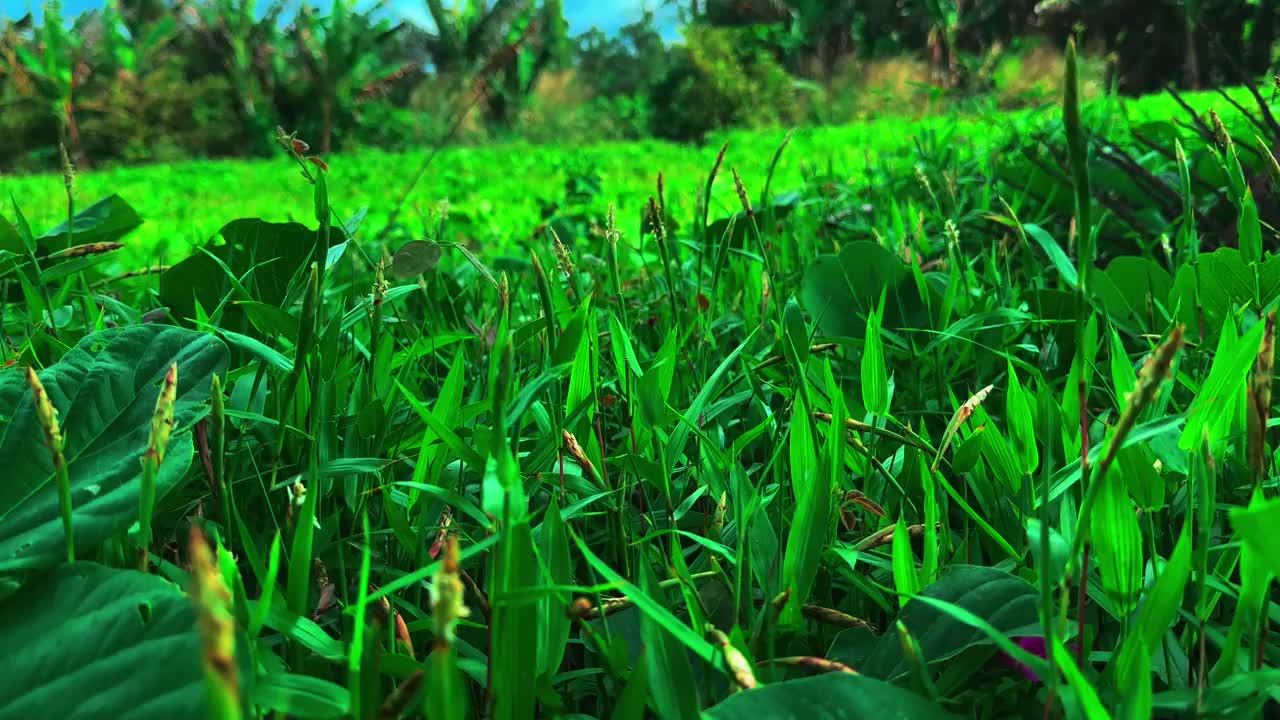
pixel 964 409
pixel 967 417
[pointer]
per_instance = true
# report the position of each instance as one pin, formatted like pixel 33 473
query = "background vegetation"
pixel 162 80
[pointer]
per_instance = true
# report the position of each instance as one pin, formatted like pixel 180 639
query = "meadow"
pixel 496 194
pixel 959 416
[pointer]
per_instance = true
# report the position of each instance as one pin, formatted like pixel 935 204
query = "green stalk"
pixel 357 639
pixel 660 237
pixel 218 428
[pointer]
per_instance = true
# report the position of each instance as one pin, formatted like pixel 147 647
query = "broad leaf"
pixel 827 697
pixel 842 290
pixel 105 393
pixel 107 220
pixel 87 641
pixel 274 251
pixel 1005 601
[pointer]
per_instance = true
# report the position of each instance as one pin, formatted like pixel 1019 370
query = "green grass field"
pixel 499 193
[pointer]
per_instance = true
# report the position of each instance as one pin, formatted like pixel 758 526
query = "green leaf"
pixel 1129 287
pixel 842 290
pixel 1214 406
pixel 260 350
pixel 680 436
pixel 415 257
pixel 1249 229
pixel 1021 419
pixel 673 691
pixel 1056 255
pixel 875 377
pixel 1159 611
pixel 105 392
pixel 107 220
pixel 11 241
pixel 810 524
pixel 87 641
pixel 271 320
pixel 796 333
pixel 515 622
pixel 1256 525
pixel 905 578
pixel 274 251
pixel 834 696
pixel 300 696
pixel 1117 543
pixel 553 627
pixel 1006 602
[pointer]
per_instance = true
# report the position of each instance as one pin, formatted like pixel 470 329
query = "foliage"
pixel 722 80
pixel 875 419
pixel 160 80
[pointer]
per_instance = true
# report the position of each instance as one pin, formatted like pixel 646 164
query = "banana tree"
pixel 471 32
pixel 536 42
pixel 508 44
pixel 243 44
pixel 51 65
pixel 345 60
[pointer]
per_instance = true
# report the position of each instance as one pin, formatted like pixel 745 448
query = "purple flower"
pixel 1035 646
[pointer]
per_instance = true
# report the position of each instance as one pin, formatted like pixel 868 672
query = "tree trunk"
pixel 1264 35
pixel 1192 54
pixel 326 116
pixel 73 135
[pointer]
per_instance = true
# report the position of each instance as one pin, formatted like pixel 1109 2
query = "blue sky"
pixel 607 15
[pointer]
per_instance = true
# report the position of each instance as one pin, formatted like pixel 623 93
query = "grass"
pixel 877 434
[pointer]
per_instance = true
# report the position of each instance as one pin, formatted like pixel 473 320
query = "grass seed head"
pixel 217 628
pixel 447 606
pixel 579 609
pixel 380 283
pixel 1220 135
pixel 742 193
pixel 1260 398
pixel 744 677
pixel 162 420
pixel 574 448
pixel 68 169
pixel 817 664
pixel 1154 371
pixel 98 248
pixel 655 222
pixel 825 615
pixel 47 414
pixel 715 167
pixel 563 258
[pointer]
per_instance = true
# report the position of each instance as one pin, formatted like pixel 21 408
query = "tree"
pixel 342 57
pixel 231 38
pixel 51 64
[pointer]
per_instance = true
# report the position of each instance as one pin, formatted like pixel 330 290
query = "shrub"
pixel 722 79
